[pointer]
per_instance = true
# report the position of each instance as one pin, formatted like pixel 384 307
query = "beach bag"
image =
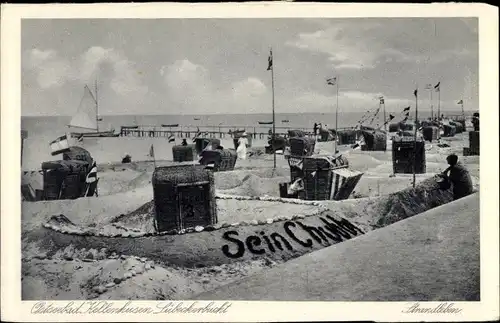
pixel 184 197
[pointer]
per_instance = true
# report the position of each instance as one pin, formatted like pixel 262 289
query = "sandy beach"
pixel 106 248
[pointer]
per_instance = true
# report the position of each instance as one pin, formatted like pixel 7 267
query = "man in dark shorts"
pixel 459 177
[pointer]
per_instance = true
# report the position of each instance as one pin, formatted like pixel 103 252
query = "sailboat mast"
pixel 96 107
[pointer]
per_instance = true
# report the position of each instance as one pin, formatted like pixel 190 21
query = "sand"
pixel 433 256
pixel 73 267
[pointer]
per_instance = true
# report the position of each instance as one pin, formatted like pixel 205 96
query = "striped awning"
pixel 345 172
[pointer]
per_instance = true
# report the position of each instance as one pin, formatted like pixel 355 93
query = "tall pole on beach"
pixel 96 107
pixel 429 87
pixel 334 81
pixel 337 109
pixel 382 103
pixel 270 67
pixel 415 134
pixel 439 102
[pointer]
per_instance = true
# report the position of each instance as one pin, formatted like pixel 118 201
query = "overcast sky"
pixel 208 66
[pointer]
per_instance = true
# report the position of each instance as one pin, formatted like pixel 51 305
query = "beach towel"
pixel 242 148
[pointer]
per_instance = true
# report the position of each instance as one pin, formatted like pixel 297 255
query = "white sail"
pixel 86 115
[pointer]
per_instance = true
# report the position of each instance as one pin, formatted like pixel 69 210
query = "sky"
pixel 219 66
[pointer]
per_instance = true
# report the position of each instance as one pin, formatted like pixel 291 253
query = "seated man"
pixel 459 177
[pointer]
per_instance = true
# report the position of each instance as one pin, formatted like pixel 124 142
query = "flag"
pixel 391 117
pixel 460 102
pixel 152 152
pixel 406 109
pixel 198 134
pixel 331 81
pixel 171 137
pixel 407 114
pixel 92 175
pixel 437 87
pixel 270 61
pixel 382 101
pixel 59 145
pixel 415 92
pixel 406 118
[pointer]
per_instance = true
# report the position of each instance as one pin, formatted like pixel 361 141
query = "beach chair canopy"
pixel 63 165
pixel 78 153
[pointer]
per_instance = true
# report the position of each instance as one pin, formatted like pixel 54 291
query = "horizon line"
pixel 254 113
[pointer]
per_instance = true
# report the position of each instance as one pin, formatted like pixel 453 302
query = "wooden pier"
pixel 256 132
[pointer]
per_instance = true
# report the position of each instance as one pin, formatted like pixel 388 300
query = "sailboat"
pixel 87 117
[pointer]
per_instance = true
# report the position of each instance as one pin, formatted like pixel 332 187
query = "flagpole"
pixel 337 109
pixel 432 108
pixel 96 106
pixel 385 124
pixel 415 138
pixel 274 121
pixel 439 102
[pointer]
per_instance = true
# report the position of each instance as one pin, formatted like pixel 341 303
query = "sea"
pixel 42 130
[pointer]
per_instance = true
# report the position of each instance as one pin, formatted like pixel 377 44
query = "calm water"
pixel 55 126
pixel 42 130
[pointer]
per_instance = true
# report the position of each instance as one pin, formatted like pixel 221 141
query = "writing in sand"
pixel 332 231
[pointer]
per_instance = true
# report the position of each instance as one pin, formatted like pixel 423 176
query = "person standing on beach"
pixel 242 146
pixel 315 128
pixel 458 176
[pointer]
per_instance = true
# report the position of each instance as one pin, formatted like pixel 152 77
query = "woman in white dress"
pixel 242 146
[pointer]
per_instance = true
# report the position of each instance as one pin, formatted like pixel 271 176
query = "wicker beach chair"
pixel 430 133
pixel 183 153
pixel 347 137
pixel 295 133
pixel 403 155
pixel 325 180
pixel 222 159
pixel 64 179
pixel 374 140
pixel 184 197
pixel 473 149
pixel 449 130
pixel 202 143
pixel 302 146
